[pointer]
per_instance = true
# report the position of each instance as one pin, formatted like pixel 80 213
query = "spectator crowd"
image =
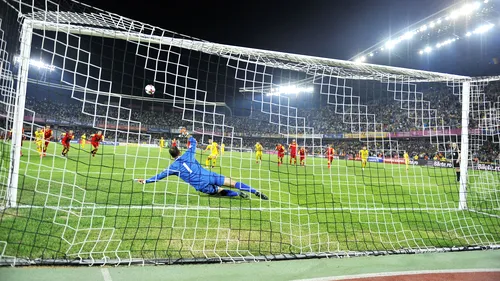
pixel 440 109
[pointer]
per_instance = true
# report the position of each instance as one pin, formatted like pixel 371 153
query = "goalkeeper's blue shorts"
pixel 210 182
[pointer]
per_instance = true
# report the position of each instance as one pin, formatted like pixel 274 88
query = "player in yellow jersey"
pixel 407 159
pixel 162 143
pixel 363 153
pixel 258 152
pixel 214 148
pixel 222 147
pixel 83 141
pixel 207 161
pixel 39 141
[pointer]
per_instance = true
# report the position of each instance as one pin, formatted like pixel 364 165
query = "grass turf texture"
pixel 90 207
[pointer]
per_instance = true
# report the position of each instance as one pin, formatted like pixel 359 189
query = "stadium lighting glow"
pixel 479 30
pixel 428 49
pixel 408 35
pixel 465 11
pixel 390 44
pixel 37 63
pixel 454 14
pixel 293 89
pixel 483 28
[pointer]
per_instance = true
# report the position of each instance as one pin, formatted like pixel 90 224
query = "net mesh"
pixel 87 71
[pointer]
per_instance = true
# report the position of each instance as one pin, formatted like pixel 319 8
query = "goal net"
pixel 428 180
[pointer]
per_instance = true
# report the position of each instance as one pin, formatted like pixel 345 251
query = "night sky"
pixel 326 28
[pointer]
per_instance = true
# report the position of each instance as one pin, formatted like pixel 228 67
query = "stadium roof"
pixel 95 22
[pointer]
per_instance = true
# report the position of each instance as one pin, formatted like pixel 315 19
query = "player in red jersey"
pixel 293 152
pixel 302 153
pixel 281 153
pixel 95 140
pixel 329 154
pixel 174 142
pixel 47 134
pixel 66 139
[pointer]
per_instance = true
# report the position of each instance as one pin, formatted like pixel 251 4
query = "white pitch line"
pixel 204 208
pixel 105 274
pixel 486 214
pixel 398 273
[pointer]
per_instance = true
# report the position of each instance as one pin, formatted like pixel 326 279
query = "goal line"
pixel 259 209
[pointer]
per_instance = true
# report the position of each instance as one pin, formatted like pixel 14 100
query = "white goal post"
pixel 17 132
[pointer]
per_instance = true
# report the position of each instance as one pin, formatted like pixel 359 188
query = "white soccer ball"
pixel 150 89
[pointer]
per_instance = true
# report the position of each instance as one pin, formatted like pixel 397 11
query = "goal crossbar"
pixel 275 59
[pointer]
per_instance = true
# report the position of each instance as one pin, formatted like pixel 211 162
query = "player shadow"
pixel 218 195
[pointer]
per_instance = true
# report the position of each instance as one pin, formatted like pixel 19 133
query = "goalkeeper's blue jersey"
pixel 189 169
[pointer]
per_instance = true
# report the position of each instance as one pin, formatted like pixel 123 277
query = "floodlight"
pixel 36 63
pixel 469 8
pixel 408 35
pixel 483 28
pixel 428 49
pixel 438 45
pixel 455 14
pixel 371 54
pixel 421 52
pixel 291 89
pixel 468 34
pixel 423 28
pixel 432 24
pixel 390 44
pixel 439 21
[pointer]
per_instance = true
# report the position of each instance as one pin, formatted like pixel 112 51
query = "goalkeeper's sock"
pixel 244 187
pixel 229 193
pixel 458 176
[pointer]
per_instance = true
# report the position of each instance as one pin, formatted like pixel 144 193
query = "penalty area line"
pixel 105 274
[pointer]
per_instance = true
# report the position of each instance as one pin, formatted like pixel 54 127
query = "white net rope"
pixel 101 63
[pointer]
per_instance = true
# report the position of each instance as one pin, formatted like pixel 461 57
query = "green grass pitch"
pixel 84 207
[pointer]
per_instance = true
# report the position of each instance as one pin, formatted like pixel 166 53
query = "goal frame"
pixel 25 49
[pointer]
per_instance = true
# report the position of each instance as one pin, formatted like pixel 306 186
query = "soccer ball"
pixel 150 89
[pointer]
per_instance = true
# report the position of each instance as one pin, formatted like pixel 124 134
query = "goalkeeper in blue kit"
pixel 189 170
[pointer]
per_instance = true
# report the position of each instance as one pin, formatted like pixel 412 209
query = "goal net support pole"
pixel 18 118
pixel 464 146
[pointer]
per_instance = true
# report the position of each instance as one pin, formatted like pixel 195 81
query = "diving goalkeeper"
pixel 189 170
